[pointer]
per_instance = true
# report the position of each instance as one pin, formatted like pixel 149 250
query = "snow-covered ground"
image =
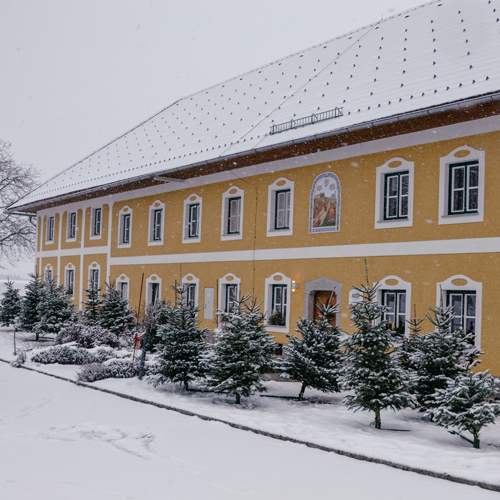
pixel 322 419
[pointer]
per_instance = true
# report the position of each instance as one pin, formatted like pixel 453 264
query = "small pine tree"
pixel 244 350
pixel 10 305
pixel 114 313
pixel 440 356
pixel 316 359
pixel 181 344
pixel 375 374
pixel 408 345
pixel 93 303
pixel 55 308
pixel 29 308
pixel 465 405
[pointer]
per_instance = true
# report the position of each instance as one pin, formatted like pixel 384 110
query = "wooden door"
pixel 325 296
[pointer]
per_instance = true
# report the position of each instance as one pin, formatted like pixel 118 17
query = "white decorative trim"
pixel 124 211
pixel 280 184
pixel 192 199
pixel 157 205
pixel 444 163
pixel 68 219
pixel 47 232
pixel 228 279
pixel 191 279
pixel 232 192
pixel 69 267
pixel 405 165
pixel 277 279
pixel 93 236
pixel 470 285
pixel 46 269
pixel 400 285
pixel 92 267
pixel 154 278
pixel 123 278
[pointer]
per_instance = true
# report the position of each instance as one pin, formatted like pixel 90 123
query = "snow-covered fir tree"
pixel 55 308
pixel 181 345
pixel 316 359
pixel 114 313
pixel 10 305
pixel 408 344
pixel 29 307
pixel 243 351
pixel 93 303
pixel 441 355
pixel 467 403
pixel 374 372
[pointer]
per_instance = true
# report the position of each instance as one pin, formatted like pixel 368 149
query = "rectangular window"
pixel 50 229
pixel 279 305
pixel 282 210
pixel 124 290
pixel 96 222
pixel 94 278
pixel 395 302
pixel 155 292
pixel 126 228
pixel 190 295
pixel 157 218
pixel 396 195
pixel 48 274
pixel 72 225
pixel 193 220
pixel 464 307
pixel 463 192
pixel 231 298
pixel 233 215
pixel 70 281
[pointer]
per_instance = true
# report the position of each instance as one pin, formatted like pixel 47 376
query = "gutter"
pixel 493 96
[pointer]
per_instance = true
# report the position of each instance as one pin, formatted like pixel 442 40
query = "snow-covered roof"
pixel 440 52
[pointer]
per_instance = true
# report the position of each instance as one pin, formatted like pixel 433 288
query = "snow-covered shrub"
pixel 71 354
pixel 113 368
pixel 86 336
pixel 92 372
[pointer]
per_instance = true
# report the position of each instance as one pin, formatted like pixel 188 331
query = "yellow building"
pixel 382 144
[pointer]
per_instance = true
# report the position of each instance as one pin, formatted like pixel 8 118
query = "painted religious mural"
pixel 325 204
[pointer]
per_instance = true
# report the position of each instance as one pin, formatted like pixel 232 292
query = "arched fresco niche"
pixel 324 213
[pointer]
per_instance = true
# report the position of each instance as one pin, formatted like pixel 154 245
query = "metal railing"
pixel 307 120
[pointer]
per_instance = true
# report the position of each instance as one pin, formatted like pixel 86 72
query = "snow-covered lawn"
pixel 322 419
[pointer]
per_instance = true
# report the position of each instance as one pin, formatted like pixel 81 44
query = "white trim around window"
pixel 190 280
pixel 233 201
pixel 277 296
pixel 69 279
pixel 94 275
pixel 228 280
pixel 461 156
pixel 192 219
pixel 125 219
pixel 280 207
pixel 123 286
pixel 50 229
pixel 96 223
pixel 71 225
pixel 48 272
pixel 396 209
pixel 156 223
pixel 153 289
pixel 461 283
pixel 396 284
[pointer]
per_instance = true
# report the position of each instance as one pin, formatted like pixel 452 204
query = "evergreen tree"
pixel 10 305
pixel 93 303
pixel 55 308
pixel 374 374
pixel 29 308
pixel 465 404
pixel 181 344
pixel 316 359
pixel 114 313
pixel 244 350
pixel 408 345
pixel 440 356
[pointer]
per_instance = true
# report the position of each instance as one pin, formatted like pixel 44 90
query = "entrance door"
pixel 326 297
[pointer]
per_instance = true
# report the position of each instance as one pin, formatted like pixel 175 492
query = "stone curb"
pixel 356 456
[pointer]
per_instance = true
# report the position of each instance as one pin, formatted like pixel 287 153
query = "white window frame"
pixel 123 279
pixel 93 234
pixel 121 217
pixel 228 279
pixel 70 225
pixel 67 269
pixel 154 278
pixel 393 166
pixel 157 205
pixel 192 199
pixel 383 285
pixel 94 267
pixel 231 193
pixel 50 230
pixel 459 155
pixel 48 272
pixel 277 279
pixel 191 279
pixel 281 184
pixel 469 285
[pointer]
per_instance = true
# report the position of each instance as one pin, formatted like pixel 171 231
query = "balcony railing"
pixel 307 120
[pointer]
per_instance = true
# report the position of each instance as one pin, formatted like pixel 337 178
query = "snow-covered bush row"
pixel 71 354
pixel 113 368
pixel 86 336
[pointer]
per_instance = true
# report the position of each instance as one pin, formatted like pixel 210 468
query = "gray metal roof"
pixel 440 52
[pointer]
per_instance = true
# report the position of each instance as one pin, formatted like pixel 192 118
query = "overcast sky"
pixel 78 73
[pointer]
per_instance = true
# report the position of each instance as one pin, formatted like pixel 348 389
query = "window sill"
pixel 155 243
pixel 393 223
pixel 231 237
pixel 279 232
pixel 461 218
pixel 191 240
